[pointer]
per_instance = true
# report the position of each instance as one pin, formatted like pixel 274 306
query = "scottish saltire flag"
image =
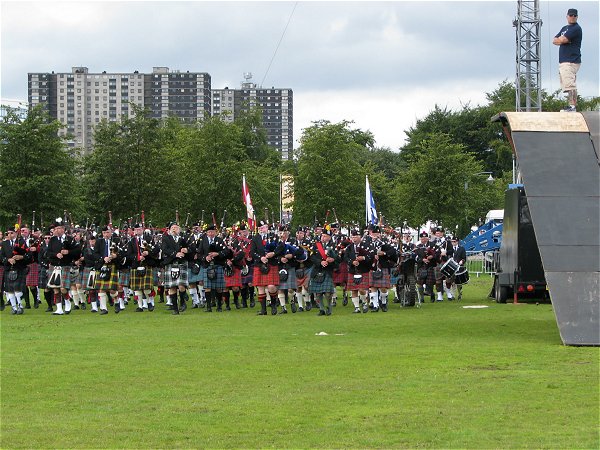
pixel 248 203
pixel 370 203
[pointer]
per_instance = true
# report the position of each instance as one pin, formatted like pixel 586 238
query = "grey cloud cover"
pixel 382 64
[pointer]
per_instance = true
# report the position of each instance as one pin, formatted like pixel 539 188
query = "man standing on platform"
pixel 569 57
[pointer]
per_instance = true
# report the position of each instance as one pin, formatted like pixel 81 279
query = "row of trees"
pixel 160 166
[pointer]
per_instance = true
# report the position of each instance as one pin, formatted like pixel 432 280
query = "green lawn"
pixel 438 376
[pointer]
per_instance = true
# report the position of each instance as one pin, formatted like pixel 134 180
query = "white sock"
pixel 306 296
pixel 299 299
pixel 374 297
pixel 384 298
pixel 59 308
pixel 440 296
pixel 19 297
pixel 150 297
pixel 281 297
pixel 12 299
pixel 94 306
pixel 103 299
pixel 194 295
pixel 75 296
pixel 362 297
pixel 202 293
pixel 355 302
pixel 121 303
pixel 138 295
pixel 67 305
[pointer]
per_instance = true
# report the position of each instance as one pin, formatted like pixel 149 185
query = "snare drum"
pixel 462 276
pixel 450 268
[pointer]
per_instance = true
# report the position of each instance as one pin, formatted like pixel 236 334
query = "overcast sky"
pixel 381 64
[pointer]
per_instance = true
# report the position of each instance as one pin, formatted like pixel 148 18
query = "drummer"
pixel 459 254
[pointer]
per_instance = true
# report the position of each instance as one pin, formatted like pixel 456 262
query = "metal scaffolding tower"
pixel 528 82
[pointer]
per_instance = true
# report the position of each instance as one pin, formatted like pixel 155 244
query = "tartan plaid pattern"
pixel 168 280
pixel 266 279
pixel 235 280
pixel 85 274
pixel 1 278
pixel 218 283
pixel 305 280
pixel 248 279
pixel 384 282
pixel 42 278
pixel 194 277
pixel 325 286
pixel 290 283
pixel 108 285
pixel 124 276
pixel 341 275
pixel 365 282
pixel 17 285
pixel 138 282
pixel 429 280
pixel 65 277
pixel 157 276
pixel 33 275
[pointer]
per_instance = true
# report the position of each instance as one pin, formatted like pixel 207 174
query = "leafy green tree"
pixel 444 184
pixel 128 171
pixel 37 170
pixel 329 172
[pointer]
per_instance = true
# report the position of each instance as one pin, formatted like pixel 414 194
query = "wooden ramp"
pixel 557 155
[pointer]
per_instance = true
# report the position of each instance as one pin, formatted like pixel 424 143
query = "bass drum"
pixel 462 276
pixel 450 268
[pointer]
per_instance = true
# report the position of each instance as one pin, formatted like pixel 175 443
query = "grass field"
pixel 440 376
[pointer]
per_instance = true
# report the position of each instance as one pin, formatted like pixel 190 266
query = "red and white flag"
pixel 248 203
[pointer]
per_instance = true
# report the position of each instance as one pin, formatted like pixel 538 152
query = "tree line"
pixel 162 166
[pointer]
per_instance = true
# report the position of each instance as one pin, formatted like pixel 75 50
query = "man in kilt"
pixel 247 271
pixel 141 279
pixel 324 258
pixel 32 242
pixel 213 253
pixel 359 260
pixel 88 272
pixel 62 252
pixel 385 257
pixel 195 276
pixel 303 270
pixel 76 291
pixel 289 258
pixel 122 240
pixel 266 273
pixel 44 267
pixel 107 277
pixel 233 271
pixel 175 267
pixel 14 258
pixel 426 263
pixel 340 274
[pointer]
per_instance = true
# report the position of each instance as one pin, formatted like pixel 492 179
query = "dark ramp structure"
pixel 557 156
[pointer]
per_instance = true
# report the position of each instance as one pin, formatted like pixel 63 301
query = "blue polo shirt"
pixel 571 52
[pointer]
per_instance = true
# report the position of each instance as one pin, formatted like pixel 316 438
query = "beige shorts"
pixel 568 76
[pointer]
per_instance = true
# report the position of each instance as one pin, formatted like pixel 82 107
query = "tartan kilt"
pixel 235 280
pixel 33 275
pixel 218 283
pixel 85 274
pixel 266 279
pixel 138 282
pixel 124 276
pixel 74 277
pixel 157 276
pixel 438 272
pixel 17 285
pixel 384 282
pixel 42 277
pixel 107 285
pixel 1 278
pixel 341 275
pixel 65 277
pixel 364 284
pixel 430 279
pixel 290 283
pixel 182 280
pixel 248 279
pixel 194 277
pixel 325 286
pixel 305 280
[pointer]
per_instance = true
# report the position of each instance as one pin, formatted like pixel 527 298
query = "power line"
pixel 279 43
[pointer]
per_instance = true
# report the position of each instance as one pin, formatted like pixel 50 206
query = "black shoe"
pixel 365 308
pixel 384 307
pixel 300 309
pixel 308 306
pixel 103 311
pixel 13 311
pixel 49 309
pixel 228 308
pixel 2 304
pixel 138 309
pixel 67 312
pixel 20 310
pixel 321 313
pixel 261 313
pixel 237 305
pixel 183 307
pixel 175 311
pixel 294 307
pixel 345 301
pixel 219 309
pixel 376 309
pixel 55 313
pixel 356 310
pixel 195 306
pixel 328 313
pixel 333 302
pixel 75 306
pixel 284 310
pixel 150 307
pixel 27 305
pixel 94 311
pixel 83 306
pixel 117 308
pixel 252 303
